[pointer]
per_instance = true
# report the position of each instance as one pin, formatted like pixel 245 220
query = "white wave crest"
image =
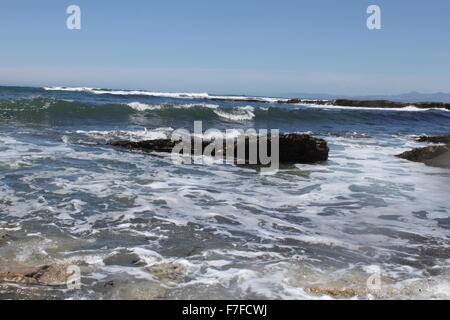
pixel 132 135
pixel 143 107
pixel 130 92
pixel 407 108
pixel 138 106
pixel 181 95
pixel 237 114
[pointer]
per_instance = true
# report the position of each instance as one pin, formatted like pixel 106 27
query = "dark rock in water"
pixel 290 101
pixel 345 103
pixel 435 139
pixel 121 258
pixel 239 100
pixel 293 148
pixel 159 145
pixel 435 156
pixel 386 104
pixel 368 103
pixel 389 104
pixel 302 148
pixel 305 101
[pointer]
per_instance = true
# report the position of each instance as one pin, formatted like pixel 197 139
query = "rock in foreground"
pixel 16 272
pixel 293 148
pixel 435 156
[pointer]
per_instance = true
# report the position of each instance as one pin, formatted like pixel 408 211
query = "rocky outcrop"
pixel 305 101
pixel 435 139
pixel 240 100
pixel 302 148
pixel 159 145
pixel 343 102
pixel 388 104
pixel 293 148
pixel 435 156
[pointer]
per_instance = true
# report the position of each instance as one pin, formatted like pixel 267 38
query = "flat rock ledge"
pixel 16 272
pixel 435 156
pixel 293 148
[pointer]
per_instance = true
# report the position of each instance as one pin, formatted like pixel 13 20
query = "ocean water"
pixel 303 232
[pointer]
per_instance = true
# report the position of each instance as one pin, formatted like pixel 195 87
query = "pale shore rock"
pixel 167 272
pixel 145 290
pixel 17 272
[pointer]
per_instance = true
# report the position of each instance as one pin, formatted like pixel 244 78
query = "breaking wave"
pixel 181 95
pixel 47 108
pixel 53 111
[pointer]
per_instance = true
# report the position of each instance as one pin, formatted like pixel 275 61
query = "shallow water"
pixel 303 232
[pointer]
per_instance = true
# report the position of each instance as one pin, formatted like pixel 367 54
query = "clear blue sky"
pixel 245 46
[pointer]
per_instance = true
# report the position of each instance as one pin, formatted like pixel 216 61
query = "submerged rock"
pixel 360 291
pixel 293 148
pixel 167 272
pixel 136 290
pixel 337 292
pixel 6 238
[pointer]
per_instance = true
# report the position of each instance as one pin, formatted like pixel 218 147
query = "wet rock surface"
pixel 435 156
pixel 293 148
pixel 167 272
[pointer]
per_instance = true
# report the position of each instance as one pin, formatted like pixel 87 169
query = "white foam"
pixel 182 95
pixel 130 92
pixel 138 106
pixel 406 109
pixel 143 107
pixel 237 114
pixel 234 114
pixel 362 181
pixel 133 135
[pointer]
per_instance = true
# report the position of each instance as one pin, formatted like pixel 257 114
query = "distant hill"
pixel 405 97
